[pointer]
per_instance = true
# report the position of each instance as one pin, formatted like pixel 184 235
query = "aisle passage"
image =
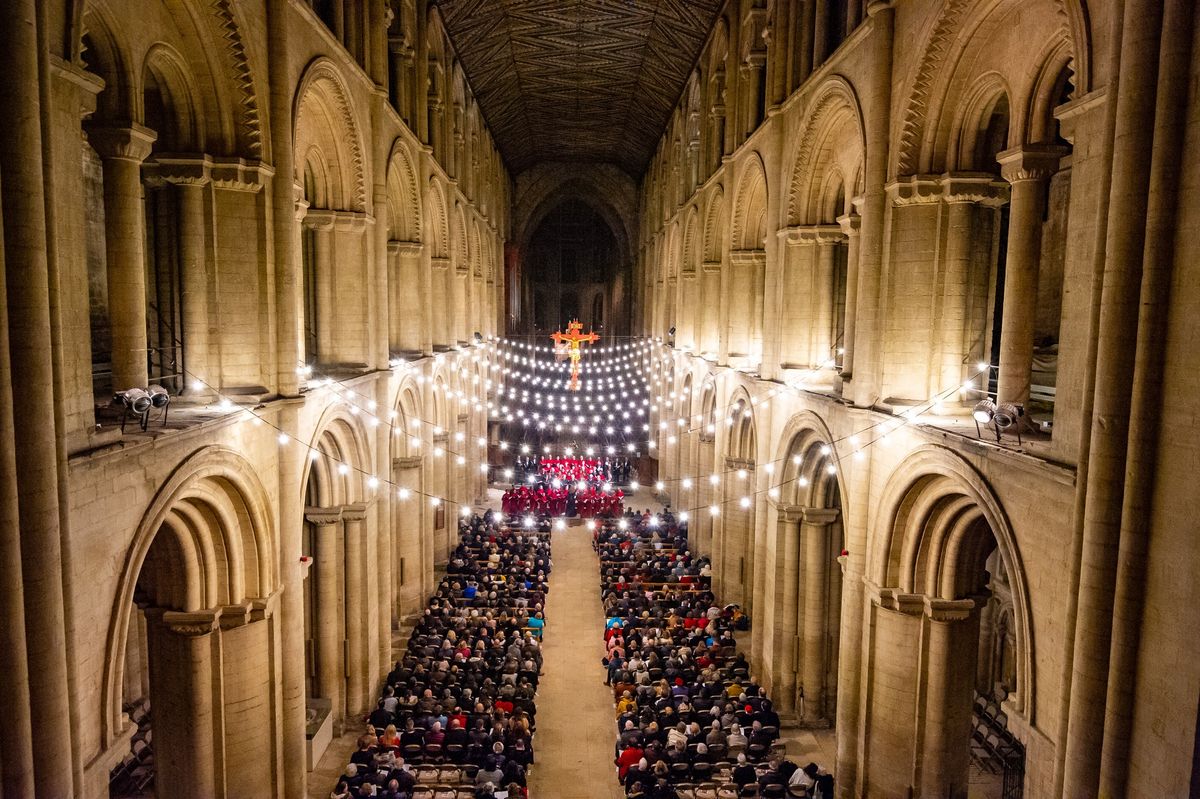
pixel 575 732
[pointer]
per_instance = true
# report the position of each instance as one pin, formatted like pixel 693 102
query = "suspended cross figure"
pixel 572 340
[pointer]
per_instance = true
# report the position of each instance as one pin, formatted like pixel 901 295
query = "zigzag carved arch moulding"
pixel 834 95
pixel 1074 27
pixel 322 70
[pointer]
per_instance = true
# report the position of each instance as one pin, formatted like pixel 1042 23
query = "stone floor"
pixel 575 723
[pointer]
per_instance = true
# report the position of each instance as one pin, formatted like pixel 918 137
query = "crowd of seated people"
pixel 690 720
pixel 457 714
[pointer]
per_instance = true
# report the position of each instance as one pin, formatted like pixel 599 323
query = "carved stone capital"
pixel 1030 162
pixel 131 143
pixel 974 187
pixel 819 517
pixel 747 257
pixel 408 462
pixel 238 174
pixel 323 516
pixel 235 615
pixel 895 599
pixel 789 514
pixel 812 234
pixel 440 263
pixel 851 224
pixel 914 190
pixel 355 513
pixel 319 219
pixel 178 170
pixel 193 623
pixel 711 267
pixel 402 248
pixel 739 463
pixel 948 609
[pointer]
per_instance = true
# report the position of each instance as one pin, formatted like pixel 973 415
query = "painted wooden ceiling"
pixel 578 80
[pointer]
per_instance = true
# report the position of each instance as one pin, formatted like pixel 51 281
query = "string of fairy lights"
pixel 624 401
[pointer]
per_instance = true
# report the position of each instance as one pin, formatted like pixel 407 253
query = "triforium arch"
pixel 819 241
pixel 940 530
pixel 200 579
pixel 339 536
pixel 953 39
pixel 325 119
pixel 407 300
pixel 806 576
pixel 748 264
pixel 734 550
pixel 435 235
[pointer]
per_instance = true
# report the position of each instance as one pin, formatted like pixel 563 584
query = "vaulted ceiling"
pixel 578 80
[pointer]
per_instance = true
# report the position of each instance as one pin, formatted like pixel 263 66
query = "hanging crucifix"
pixel 569 343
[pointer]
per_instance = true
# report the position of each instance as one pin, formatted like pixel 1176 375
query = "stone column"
pixel 356 592
pixel 288 269
pixel 35 445
pixel 182 677
pixel 16 746
pixel 951 630
pixel 877 122
pixel 440 303
pixel 292 610
pixel 963 193
pixel 851 225
pixel 409 534
pixel 328 624
pixel 787 589
pixel 744 321
pixel 1027 168
pixel 815 582
pixel 828 238
pixel 321 221
pixel 123 150
pixel 191 179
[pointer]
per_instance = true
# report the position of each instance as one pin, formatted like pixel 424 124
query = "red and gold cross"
pixel 571 341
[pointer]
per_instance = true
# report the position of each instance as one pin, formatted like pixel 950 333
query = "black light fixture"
pixel 478 338
pixel 138 402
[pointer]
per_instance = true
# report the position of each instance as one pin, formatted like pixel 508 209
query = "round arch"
pixel 750 207
pixel 217 495
pixel 325 119
pixel 831 144
pixel 403 196
pixel 923 536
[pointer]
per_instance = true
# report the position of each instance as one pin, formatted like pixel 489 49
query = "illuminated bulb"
pixel 483 468
pixel 744 502
pixel 683 516
pixel 623 525
pixel 831 469
pixel 687 482
pixel 713 510
pixel 591 525
pixel 826 449
pixel 403 493
pixel 343 469
pixel 741 473
pixel 773 493
pixel 438 452
pixel 461 460
pixel 282 438
pixel 633 485
pixel 714 478
pixel 560 525
pixel 528 522
pixel 434 501
pixel 466 511
pixel 372 482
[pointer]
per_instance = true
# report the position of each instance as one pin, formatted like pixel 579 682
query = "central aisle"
pixel 575 732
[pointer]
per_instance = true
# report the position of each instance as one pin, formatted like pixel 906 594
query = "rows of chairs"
pixel 688 708
pixel 993 748
pixel 459 705
pixel 134 775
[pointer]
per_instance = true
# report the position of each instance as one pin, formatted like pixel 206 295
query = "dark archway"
pixel 573 254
